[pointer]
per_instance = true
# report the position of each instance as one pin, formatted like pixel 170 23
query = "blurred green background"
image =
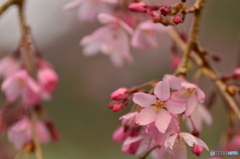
pixel 79 107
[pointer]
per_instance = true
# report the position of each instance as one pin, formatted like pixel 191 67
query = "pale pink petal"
pixel 188 85
pixel 11 89
pixel 146 116
pixel 180 153
pixel 162 120
pixel 110 1
pixel 132 140
pixel 106 18
pixel 158 137
pixel 116 59
pixel 43 133
pixel 173 126
pixel 162 90
pixel 174 82
pixel 200 95
pixel 201 143
pixel 33 85
pixel 170 141
pixel 143 99
pixel 206 116
pixel 73 5
pixel 175 106
pixel 164 152
pixel 192 103
pixel 128 115
pixel 188 138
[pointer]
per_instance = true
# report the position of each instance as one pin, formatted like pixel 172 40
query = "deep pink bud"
pixel 117 107
pixel 183 1
pixel 236 141
pixel 165 10
pixel 138 7
pixel 236 73
pixel 177 19
pixel 119 94
pixel 55 135
pixel 197 150
pixel 119 135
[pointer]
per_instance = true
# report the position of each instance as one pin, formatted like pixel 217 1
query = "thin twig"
pixel 6 5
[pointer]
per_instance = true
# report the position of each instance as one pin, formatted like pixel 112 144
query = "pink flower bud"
pixel 197 150
pixel 119 94
pixel 165 10
pixel 117 107
pixel 138 7
pixel 236 73
pixel 177 19
pixel 119 135
pixel 55 135
pixel 236 141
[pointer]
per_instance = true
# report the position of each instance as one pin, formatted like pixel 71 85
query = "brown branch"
pixel 193 39
pixel 207 70
pixel 6 5
pixel 29 65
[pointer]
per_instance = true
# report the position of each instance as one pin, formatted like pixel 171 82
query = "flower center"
pixel 158 105
pixel 21 83
pixel 179 143
pixel 189 91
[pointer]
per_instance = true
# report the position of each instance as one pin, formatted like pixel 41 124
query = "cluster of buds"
pixel 154 124
pixel 158 13
pixel 24 92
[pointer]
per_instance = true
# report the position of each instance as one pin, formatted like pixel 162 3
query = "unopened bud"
pixel 138 7
pixel 177 19
pixel 197 150
pixel 183 1
pixel 165 10
pixel 119 94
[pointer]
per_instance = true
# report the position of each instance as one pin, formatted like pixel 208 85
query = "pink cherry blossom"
pixel 145 36
pixel 89 9
pixel 111 40
pixel 158 107
pixel 21 133
pixel 188 92
pixel 9 65
pixel 21 84
pixel 199 115
pixel 179 140
pixel 119 94
pixel 131 145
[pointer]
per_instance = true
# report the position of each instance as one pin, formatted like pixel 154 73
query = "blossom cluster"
pixel 154 124
pixel 122 28
pixel 24 92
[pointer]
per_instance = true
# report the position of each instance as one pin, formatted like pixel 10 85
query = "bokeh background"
pixel 79 107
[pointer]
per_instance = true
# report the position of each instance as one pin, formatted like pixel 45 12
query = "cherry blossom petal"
pixel 146 116
pixel 158 137
pixel 170 141
pixel 175 106
pixel 162 90
pixel 162 120
pixel 192 103
pixel 132 140
pixel 173 126
pixel 163 152
pixel 180 153
pixel 200 95
pixel 128 115
pixel 143 99
pixel 105 18
pixel 188 138
pixel 201 143
pixel 174 82
pixel 110 1
pixel 188 85
pixel 206 116
pixel 73 5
